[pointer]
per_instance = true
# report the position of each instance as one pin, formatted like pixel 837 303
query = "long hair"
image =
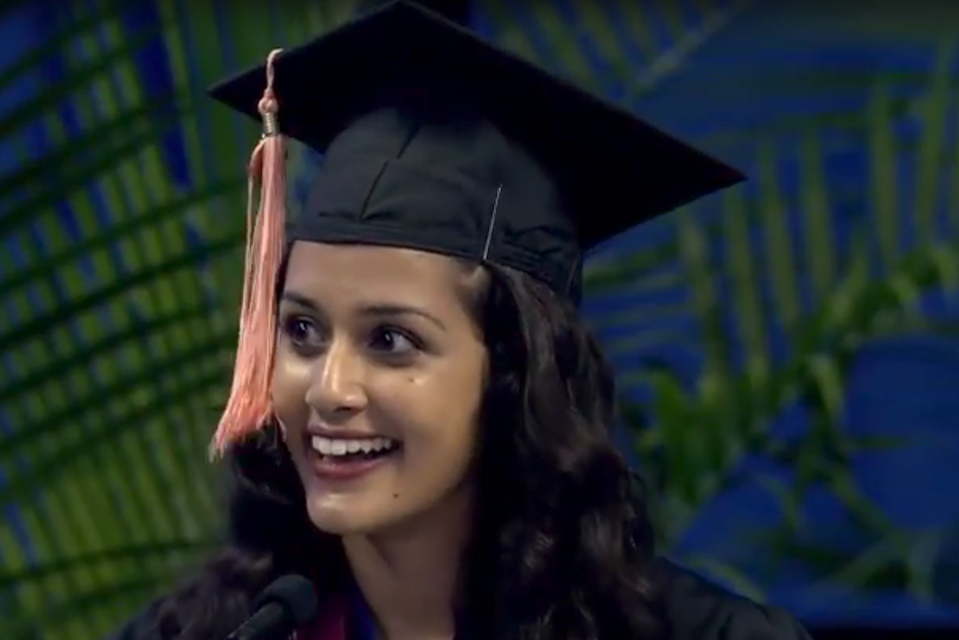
pixel 563 543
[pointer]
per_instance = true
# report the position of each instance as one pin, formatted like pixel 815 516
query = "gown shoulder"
pixel 696 609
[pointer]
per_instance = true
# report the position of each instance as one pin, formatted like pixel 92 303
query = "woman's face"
pixel 378 381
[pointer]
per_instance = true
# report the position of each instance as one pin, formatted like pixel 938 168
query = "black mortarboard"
pixel 433 139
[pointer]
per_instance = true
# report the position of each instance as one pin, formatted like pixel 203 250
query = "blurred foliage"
pixel 121 227
pixel 829 299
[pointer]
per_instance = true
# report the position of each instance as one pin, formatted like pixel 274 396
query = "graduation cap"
pixel 434 139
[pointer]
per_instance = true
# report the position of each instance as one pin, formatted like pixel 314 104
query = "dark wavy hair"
pixel 563 543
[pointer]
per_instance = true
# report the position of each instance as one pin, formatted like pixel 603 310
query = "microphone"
pixel 283 606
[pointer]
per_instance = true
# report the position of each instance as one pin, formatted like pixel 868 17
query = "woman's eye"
pixel 393 342
pixel 300 331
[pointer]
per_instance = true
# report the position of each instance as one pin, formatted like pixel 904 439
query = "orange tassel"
pixel 249 406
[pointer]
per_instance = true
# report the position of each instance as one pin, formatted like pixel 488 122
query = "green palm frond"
pixel 81 467
pixel 557 37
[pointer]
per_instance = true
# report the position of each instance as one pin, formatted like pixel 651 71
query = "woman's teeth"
pixel 337 447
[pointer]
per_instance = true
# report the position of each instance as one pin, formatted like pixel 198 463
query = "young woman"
pixel 420 424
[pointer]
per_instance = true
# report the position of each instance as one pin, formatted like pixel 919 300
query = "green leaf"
pixel 26 113
pixel 34 59
pixel 10 579
pixel 69 175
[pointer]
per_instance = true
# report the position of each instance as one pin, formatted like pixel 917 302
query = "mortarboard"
pixel 434 139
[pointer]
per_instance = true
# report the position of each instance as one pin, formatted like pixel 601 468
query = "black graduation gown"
pixel 699 610
pixel 695 610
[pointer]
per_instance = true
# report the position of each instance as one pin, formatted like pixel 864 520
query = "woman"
pixel 419 422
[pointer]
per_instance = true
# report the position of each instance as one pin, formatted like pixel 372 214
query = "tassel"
pixel 249 407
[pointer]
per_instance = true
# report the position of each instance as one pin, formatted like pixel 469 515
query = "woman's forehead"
pixel 373 274
pixel 368 260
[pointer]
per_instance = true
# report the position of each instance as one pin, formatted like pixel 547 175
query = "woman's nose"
pixel 336 385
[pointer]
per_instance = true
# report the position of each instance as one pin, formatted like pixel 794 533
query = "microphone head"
pixel 295 594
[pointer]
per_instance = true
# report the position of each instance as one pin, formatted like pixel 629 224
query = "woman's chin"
pixel 333 521
pixel 342 519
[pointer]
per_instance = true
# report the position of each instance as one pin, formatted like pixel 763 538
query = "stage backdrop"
pixel 787 350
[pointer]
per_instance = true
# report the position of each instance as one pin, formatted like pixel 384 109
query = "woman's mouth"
pixel 344 458
pixel 352 449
